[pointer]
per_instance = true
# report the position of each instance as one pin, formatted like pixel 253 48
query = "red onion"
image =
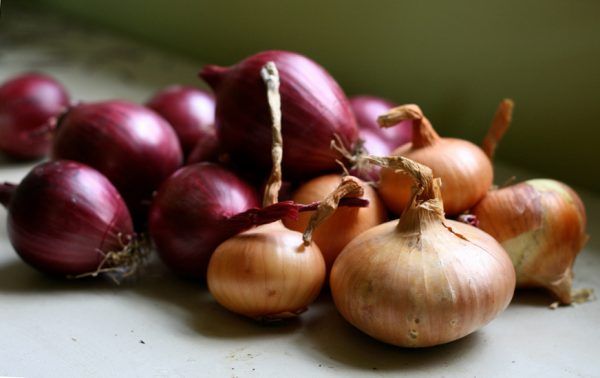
pixel 366 110
pixel 191 112
pixel 66 218
pixel 207 149
pixel 314 108
pixel 131 145
pixel 27 103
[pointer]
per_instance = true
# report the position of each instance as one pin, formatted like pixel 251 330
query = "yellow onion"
pixel 541 224
pixel 423 280
pixel 341 227
pixel 465 170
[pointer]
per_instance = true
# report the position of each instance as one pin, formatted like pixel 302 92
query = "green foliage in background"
pixel 456 59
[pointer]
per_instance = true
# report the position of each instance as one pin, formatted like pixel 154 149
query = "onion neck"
pixel 6 193
pixel 423 134
pixel 213 75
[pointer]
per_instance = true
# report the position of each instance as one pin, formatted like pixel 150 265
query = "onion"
pixel 66 218
pixel 315 110
pixel 267 272
pixel 207 149
pixel 191 112
pixel 188 217
pixel 366 109
pixel 131 145
pixel 541 224
pixel 27 104
pixel 422 280
pixel 465 170
pixel 333 234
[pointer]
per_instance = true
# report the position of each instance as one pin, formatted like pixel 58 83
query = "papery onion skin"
pixel 266 273
pixel 406 291
pixel 314 107
pixel 466 173
pixel 64 216
pixel 131 145
pixel 188 213
pixel 191 113
pixel 541 223
pixel 27 104
pixel 370 143
pixel 346 223
pixel 366 109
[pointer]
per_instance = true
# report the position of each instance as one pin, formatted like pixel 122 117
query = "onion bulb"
pixel 267 272
pixel 465 170
pixel 423 280
pixel 28 104
pixel 340 228
pixel 67 219
pixel 315 111
pixel 135 148
pixel 541 224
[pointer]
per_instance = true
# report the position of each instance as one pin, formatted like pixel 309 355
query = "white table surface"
pixel 161 326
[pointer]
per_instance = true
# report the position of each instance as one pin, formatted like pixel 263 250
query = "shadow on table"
pixel 330 335
pixel 203 314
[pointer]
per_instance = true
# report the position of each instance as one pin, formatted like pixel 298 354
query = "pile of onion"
pixel 423 280
pixel 316 110
pixel 191 113
pixel 465 170
pixel 27 104
pixel 135 148
pixel 67 219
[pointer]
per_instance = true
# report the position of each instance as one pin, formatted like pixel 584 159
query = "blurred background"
pixel 456 59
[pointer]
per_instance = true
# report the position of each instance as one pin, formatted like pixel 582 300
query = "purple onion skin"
pixel 27 103
pixel 373 144
pixel 314 109
pixel 191 112
pixel 188 212
pixel 131 145
pixel 63 214
pixel 366 110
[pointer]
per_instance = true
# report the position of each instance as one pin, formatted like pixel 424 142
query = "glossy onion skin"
pixel 27 103
pixel 191 113
pixel 131 145
pixel 412 293
pixel 187 213
pixel 541 224
pixel 266 273
pixel 63 214
pixel 341 227
pixel 367 108
pixel 314 109
pixel 372 144
pixel 466 173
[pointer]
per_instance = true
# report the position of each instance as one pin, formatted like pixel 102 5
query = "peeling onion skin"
pixel 346 223
pixel 27 104
pixel 63 215
pixel 266 273
pixel 541 223
pixel 315 109
pixel 134 147
pixel 191 113
pixel 466 173
pixel 188 213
